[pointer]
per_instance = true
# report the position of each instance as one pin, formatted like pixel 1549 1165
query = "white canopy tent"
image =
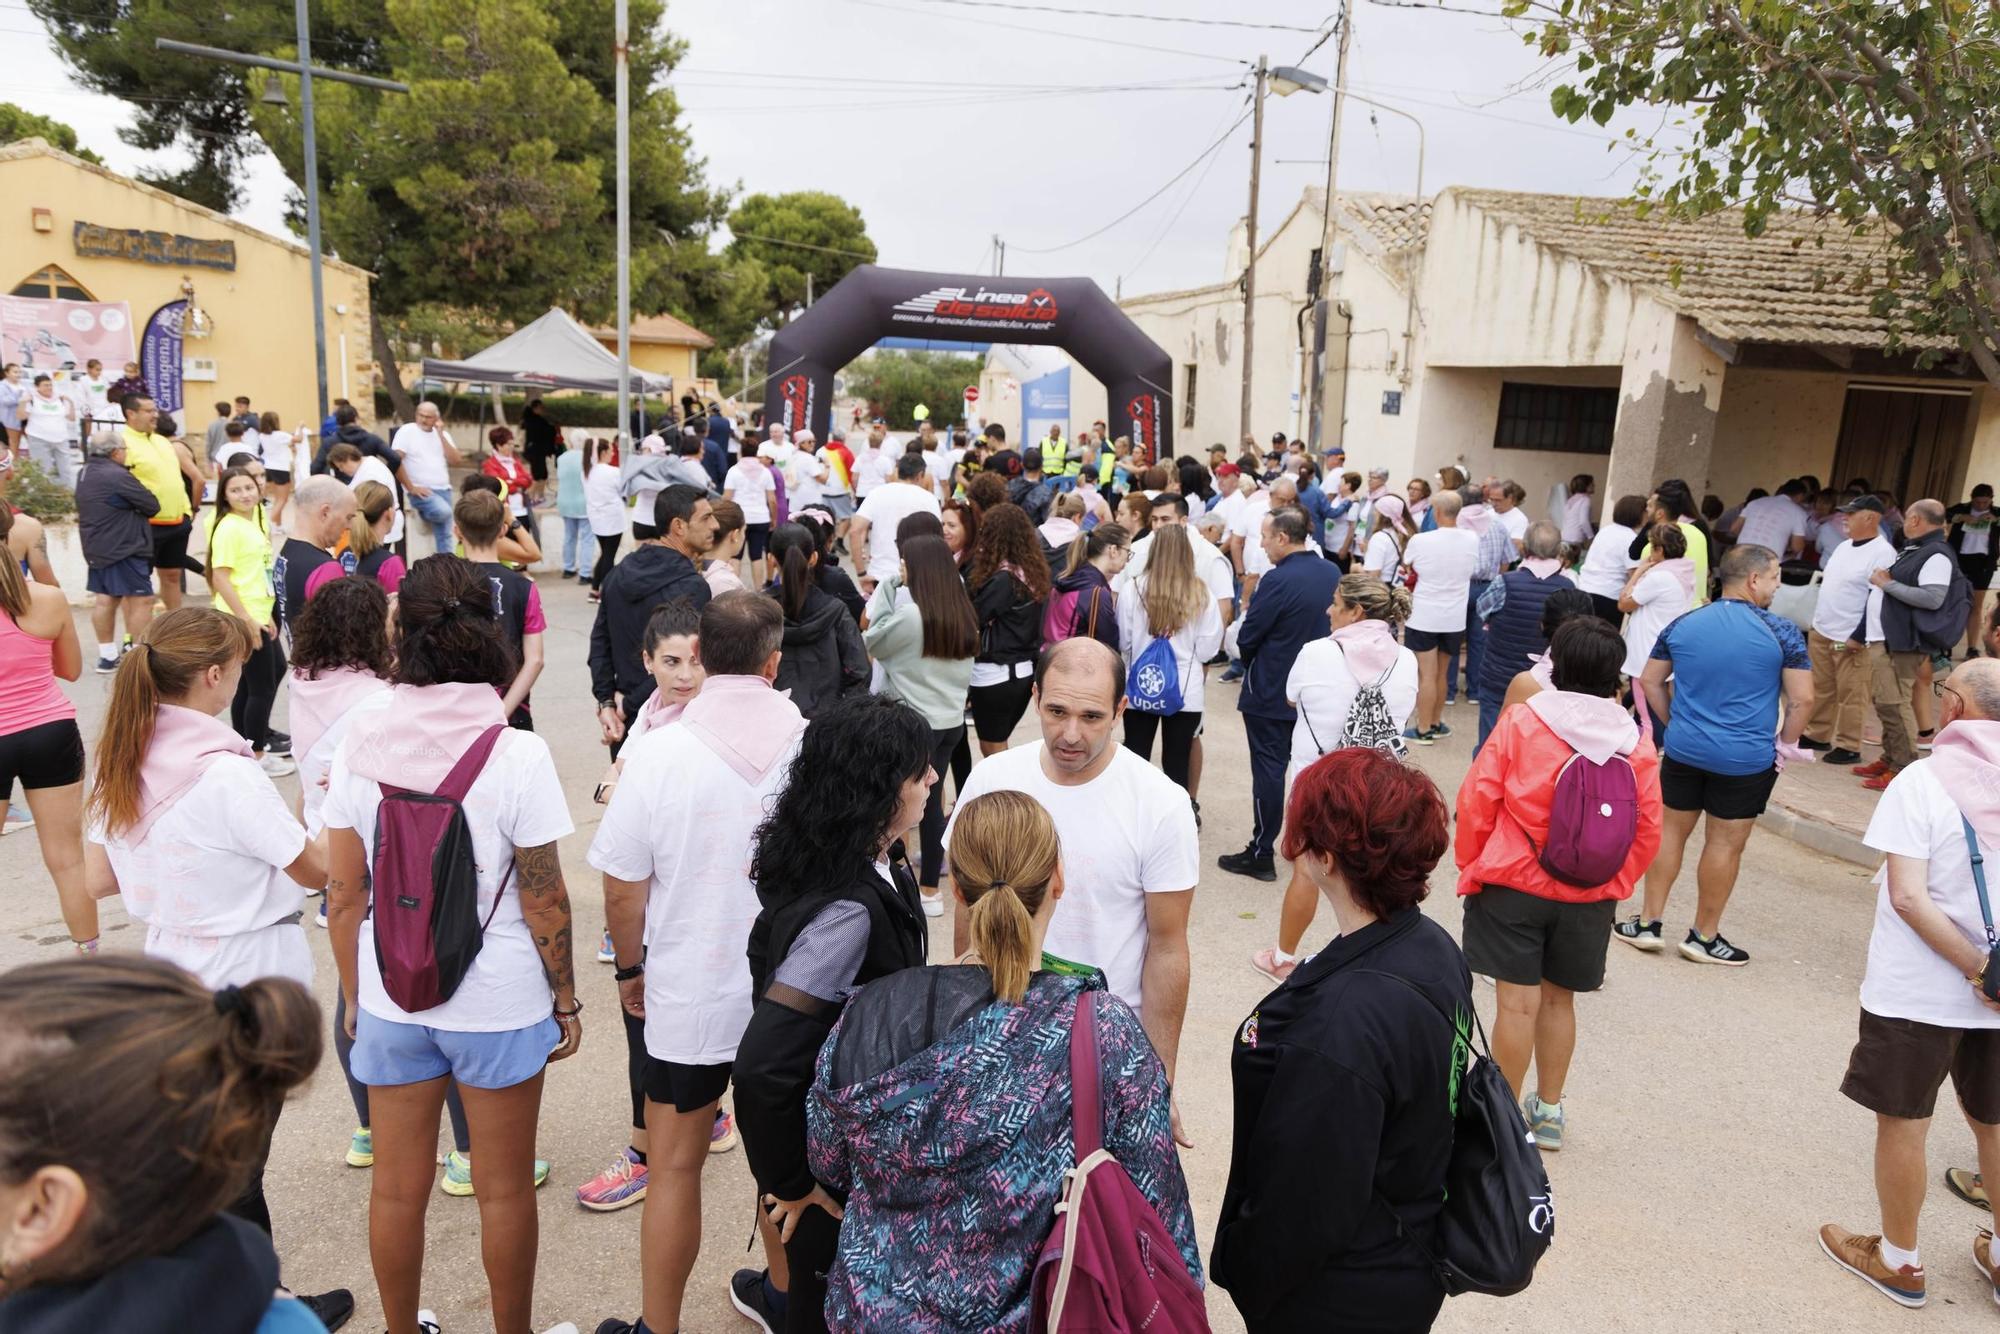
pixel 553 352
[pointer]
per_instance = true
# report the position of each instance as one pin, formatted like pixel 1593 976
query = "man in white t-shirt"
pixel 428 457
pixel 1776 523
pixel 805 473
pixel 1505 497
pixel 1837 640
pixel 1444 559
pixel 1130 855
pixel 873 534
pixel 1923 1015
pixel 874 463
pixel 675 846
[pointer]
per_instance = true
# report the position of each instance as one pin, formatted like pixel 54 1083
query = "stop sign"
pixel 972 393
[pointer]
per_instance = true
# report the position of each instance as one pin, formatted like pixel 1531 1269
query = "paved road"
pixel 1707 1138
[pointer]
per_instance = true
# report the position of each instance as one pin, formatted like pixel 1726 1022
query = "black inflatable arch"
pixel 873 303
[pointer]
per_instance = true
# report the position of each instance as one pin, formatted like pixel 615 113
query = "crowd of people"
pixel 802 643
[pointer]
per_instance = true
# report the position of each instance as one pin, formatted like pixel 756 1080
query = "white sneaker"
pixel 933 904
pixel 427 1321
pixel 277 766
pixel 566 1327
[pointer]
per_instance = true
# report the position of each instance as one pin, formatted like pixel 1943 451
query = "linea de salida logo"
pixel 1036 307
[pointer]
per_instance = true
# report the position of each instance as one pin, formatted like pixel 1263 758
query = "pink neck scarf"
pixel 320 702
pixel 1967 756
pixel 1370 648
pixel 425 730
pixel 185 744
pixel 1476 518
pixel 748 725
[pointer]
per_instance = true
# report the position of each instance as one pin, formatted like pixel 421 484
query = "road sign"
pixel 972 393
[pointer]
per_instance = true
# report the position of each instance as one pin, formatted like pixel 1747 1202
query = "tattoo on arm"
pixel 545 902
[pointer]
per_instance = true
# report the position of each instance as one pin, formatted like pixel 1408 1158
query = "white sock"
pixel 1281 958
pixel 106 651
pixel 1896 1257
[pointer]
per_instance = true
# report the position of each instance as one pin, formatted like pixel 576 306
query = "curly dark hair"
pixel 1007 538
pixel 986 490
pixel 447 629
pixel 345 626
pixel 843 789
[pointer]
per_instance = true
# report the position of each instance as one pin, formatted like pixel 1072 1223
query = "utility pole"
pixel 1250 266
pixel 1000 270
pixel 809 290
pixel 307 72
pixel 1326 427
pixel 621 58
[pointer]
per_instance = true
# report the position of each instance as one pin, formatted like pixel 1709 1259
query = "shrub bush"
pixel 38 495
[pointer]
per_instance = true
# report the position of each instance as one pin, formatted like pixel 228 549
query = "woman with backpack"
pixel 1081 601
pixel 923 633
pixel 1010 585
pixel 1542 869
pixel 1356 687
pixel 1168 624
pixel 942 1106
pixel 502 916
pixel 1344 1076
pixel 1388 530
pixel 823 659
pixel 840 909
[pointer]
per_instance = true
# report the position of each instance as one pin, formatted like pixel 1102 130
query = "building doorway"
pixel 1910 442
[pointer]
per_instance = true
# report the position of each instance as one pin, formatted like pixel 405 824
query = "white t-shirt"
pixel 1249 525
pixel 1844 587
pixel 1515 521
pixel 885 508
pixel 1444 559
pixel 211 890
pixel 423 455
pixel 872 468
pixel 48 418
pixel 94 398
pixel 277 451
pixel 683 821
pixel 1382 559
pixel 1210 566
pixel 938 463
pixel 603 502
pixel 1976 533
pixel 750 485
pixel 1661 598
pixel 1227 508
pixel 805 478
pixel 516 802
pixel 1322 688
pixel 372 469
pixel 1127 833
pixel 1193 644
pixel 1772 522
pixel 1907 979
pixel 1607 562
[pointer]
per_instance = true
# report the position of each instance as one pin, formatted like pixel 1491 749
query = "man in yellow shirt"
pixel 161 465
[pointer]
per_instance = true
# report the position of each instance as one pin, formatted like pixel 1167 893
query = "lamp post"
pixel 306 72
pixel 1284 81
pixel 622 64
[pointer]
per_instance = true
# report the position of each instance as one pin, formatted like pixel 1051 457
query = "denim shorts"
pixel 387 1052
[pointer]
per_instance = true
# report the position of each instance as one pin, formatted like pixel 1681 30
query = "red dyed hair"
pixel 1381 821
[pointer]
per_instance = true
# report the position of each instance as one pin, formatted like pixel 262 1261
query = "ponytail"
pixel 1087 547
pixel 1005 858
pixel 14 596
pixel 794 546
pixel 371 501
pixel 1002 935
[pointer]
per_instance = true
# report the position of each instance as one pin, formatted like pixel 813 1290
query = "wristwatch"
pixel 627 974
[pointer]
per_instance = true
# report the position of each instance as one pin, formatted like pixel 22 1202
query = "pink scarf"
pixel 748 725
pixel 185 743
pixel 1370 648
pixel 1542 668
pixel 1418 510
pixel 1592 726
pixel 1476 518
pixel 425 730
pixel 654 714
pixel 1682 569
pixel 1544 566
pixel 1967 756
pixel 320 702
pixel 1392 509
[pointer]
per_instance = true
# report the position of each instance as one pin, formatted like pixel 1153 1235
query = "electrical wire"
pixel 1069 245
pixel 1053 32
pixel 1173 218
pixel 970 100
pixel 1122 14
pixel 801 245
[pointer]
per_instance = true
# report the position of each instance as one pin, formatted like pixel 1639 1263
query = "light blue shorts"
pixel 386 1052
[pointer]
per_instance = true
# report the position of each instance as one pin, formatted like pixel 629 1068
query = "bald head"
pixel 1921 517
pixel 1445 504
pixel 1082 656
pixel 323 505
pixel 1977 686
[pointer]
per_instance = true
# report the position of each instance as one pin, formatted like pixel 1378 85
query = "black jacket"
pixel 219 1281
pixel 650 577
pixel 1010 620
pixel 838 584
pixel 112 507
pixel 823 660
pixel 1288 613
pixel 1343 1082
pixel 774 1062
pixel 1036 497
pixel 364 440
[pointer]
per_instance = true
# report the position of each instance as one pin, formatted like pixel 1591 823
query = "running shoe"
pixel 1807 743
pixel 621 1184
pixel 1545 1122
pixel 1982 1255
pixel 1248 863
pixel 933 905
pixel 1965 1183
pixel 106 666
pixel 1266 962
pixel 457 1179
pixel 19 817
pixel 1862 1257
pixel 1880 782
pixel 1872 768
pixel 334 1308
pixel 605 954
pixel 1924 739
pixel 750 1292
pixel 361 1147
pixel 277 766
pixel 1841 756
pixel 1232 674
pixel 1443 729
pixel 278 743
pixel 1716 950
pixel 427 1322
pixel 1641 935
pixel 320 916
pixel 722 1135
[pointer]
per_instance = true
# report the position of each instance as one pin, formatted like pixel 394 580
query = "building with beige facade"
pixel 663 345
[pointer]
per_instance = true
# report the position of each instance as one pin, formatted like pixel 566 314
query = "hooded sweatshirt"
pixel 1096 607
pixel 943 1117
pixel 1503 805
pixel 823 660
pixel 650 577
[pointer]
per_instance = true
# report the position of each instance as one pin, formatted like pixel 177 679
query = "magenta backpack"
pixel 426 886
pixel 1593 820
pixel 1059 621
pixel 1109 1265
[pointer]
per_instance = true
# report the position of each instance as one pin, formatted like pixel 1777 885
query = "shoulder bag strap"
pixel 1979 880
pixel 1086 1108
pixel 466 772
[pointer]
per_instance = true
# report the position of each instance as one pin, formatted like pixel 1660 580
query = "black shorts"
pixel 1898 1065
pixel 998 710
pixel 538 464
pixel 277 476
pixel 50 755
pixel 756 537
pixel 1424 641
pixel 1511 936
pixel 685 1088
pixel 1725 796
pixel 170 545
pixel 1978 570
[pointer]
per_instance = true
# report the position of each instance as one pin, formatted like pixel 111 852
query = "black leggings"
pixel 343 1048
pixel 1176 745
pixel 809 1255
pixel 257 691
pixel 251 1206
pixel 607 556
pixel 943 743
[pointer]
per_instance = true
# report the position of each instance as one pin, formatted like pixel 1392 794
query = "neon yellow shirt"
pixel 153 461
pixel 244 549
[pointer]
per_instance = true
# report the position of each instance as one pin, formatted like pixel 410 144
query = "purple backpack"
pixel 1109 1266
pixel 1593 819
pixel 426 886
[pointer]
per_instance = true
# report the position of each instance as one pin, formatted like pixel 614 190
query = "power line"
pixel 1121 14
pixel 801 245
pixel 1055 32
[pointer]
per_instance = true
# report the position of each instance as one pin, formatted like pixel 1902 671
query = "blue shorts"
pixel 128 578
pixel 387 1052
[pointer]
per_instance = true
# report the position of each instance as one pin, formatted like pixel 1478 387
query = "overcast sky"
pixel 948 122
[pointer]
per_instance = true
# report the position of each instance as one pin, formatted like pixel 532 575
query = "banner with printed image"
pixel 47 336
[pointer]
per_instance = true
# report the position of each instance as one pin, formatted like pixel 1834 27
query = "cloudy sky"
pixel 948 121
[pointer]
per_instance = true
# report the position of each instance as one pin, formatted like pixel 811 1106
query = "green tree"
pixel 16 123
pixel 893 383
pixel 1879 115
pixel 795 236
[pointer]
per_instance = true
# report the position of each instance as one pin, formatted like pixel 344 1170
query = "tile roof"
pixel 1393 222
pixel 659 329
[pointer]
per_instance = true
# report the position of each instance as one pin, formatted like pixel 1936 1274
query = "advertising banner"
pixel 1045 402
pixel 160 356
pixel 47 336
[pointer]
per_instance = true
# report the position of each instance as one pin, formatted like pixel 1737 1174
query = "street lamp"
pixel 1284 81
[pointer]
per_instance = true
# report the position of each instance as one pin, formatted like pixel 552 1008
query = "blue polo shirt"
pixel 1729 660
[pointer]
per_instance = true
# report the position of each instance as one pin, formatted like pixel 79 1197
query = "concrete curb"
pixel 1820 836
